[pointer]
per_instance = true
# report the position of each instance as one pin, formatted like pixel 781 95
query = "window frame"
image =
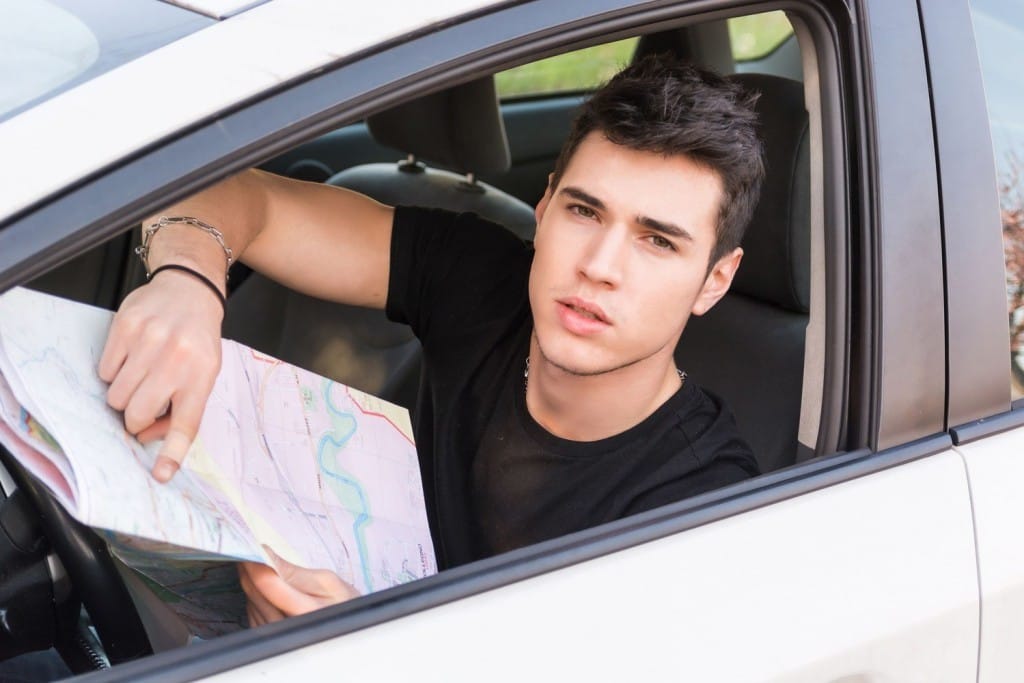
pixel 978 356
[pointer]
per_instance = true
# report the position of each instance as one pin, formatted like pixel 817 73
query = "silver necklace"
pixel 526 375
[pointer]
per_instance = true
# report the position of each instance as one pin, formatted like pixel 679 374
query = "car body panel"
pixel 839 584
pixel 996 469
pixel 219 9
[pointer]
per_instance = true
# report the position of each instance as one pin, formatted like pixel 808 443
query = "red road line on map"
pixel 380 415
pixel 263 358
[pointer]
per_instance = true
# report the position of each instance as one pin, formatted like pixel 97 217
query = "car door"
pixel 981 142
pixel 857 564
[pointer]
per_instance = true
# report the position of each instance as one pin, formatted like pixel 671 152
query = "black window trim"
pixel 991 425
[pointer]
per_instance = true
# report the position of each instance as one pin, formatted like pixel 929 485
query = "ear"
pixel 718 281
pixel 542 205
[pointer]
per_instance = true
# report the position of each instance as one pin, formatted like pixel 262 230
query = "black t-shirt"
pixel 493 478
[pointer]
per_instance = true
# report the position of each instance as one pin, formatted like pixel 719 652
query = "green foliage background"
pixel 752 37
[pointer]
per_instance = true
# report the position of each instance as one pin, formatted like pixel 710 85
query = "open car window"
pixel 284 327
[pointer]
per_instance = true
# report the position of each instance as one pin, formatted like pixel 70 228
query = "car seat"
pixel 460 128
pixel 750 347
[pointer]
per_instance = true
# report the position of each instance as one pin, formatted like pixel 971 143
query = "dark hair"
pixel 659 104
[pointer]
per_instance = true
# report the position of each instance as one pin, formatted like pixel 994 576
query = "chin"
pixel 577 357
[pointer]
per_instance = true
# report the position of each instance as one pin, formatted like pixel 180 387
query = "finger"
pixel 151 399
pixel 116 348
pixel 318 582
pixel 186 414
pixel 252 616
pixel 283 597
pixel 166 466
pixel 111 361
pixel 155 431
pixel 130 375
pixel 265 611
pixel 301 590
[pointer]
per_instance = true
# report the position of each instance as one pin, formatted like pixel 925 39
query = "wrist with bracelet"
pixel 147 238
pixel 199 276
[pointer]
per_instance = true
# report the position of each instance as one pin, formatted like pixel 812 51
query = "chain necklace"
pixel 526 375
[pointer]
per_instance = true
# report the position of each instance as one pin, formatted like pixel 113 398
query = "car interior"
pixel 447 141
pixel 469 148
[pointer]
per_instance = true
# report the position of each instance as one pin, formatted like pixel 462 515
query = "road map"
pixel 324 475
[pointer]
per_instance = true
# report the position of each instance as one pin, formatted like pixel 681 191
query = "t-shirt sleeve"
pixel 713 444
pixel 724 470
pixel 450 271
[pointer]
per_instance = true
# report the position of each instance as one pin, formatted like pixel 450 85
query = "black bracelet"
pixel 195 273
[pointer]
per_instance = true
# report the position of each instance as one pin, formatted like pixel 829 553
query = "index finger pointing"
pixel 186 414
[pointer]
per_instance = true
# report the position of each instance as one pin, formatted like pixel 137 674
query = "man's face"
pixel 622 250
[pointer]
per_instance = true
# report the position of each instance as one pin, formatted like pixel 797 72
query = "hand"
pixel 161 359
pixel 288 591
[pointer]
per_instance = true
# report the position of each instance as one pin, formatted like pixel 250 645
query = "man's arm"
pixel 163 351
pixel 317 239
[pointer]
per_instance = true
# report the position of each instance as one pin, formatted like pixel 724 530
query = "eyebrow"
pixel 670 229
pixel 580 195
pixel 664 227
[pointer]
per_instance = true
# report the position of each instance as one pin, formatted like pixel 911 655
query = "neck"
pixel 592 407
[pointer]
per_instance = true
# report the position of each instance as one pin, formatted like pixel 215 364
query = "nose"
pixel 604 259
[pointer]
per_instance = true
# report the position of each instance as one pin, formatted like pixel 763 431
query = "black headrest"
pixel 776 261
pixel 460 128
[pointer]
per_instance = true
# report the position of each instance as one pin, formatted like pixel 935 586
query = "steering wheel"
pixel 94 579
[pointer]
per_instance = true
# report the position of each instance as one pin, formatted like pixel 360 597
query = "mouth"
pixel 584 309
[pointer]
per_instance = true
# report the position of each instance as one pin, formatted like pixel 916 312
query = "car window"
pixel 999 33
pixel 47 47
pixel 576 71
pixel 757 35
pixel 751 38
pixel 62 47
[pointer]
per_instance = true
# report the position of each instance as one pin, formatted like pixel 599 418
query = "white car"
pixel 864 348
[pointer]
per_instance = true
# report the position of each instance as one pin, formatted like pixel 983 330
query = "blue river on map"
pixel 338 441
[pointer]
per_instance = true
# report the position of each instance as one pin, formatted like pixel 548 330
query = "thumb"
pixel 319 586
pixel 297 577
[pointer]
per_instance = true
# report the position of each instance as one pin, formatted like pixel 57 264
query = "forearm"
pixel 318 239
pixel 235 207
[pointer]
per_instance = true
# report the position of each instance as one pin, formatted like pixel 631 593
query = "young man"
pixel 551 401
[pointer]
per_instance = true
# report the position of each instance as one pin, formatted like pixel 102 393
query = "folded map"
pixel 324 475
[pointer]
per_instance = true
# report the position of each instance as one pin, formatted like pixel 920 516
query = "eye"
pixel 661 243
pixel 582 210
